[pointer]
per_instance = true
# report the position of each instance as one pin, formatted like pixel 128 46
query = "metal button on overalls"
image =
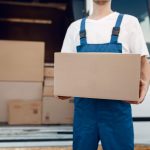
pixel 108 121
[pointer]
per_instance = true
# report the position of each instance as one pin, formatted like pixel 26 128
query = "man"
pixel 108 121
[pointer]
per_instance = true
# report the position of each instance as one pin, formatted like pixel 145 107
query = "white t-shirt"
pixel 99 32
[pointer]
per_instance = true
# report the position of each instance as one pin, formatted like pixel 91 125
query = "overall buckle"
pixel 116 31
pixel 82 34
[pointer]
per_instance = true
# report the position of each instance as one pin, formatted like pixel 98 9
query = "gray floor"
pixel 55 135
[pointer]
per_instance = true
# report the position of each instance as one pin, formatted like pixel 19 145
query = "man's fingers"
pixel 63 97
pixel 143 91
pixel 132 102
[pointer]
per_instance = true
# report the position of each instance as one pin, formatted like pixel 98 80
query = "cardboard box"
pixel 17 90
pixel 56 111
pixel 48 91
pixel 24 112
pixel 49 82
pixel 48 72
pixel 49 65
pixel 97 75
pixel 21 61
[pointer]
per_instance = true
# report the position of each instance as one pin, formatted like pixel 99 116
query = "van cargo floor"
pixel 59 135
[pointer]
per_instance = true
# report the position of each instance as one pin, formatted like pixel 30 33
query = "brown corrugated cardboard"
pixel 17 90
pixel 48 91
pixel 56 111
pixel 49 82
pixel 24 112
pixel 49 72
pixel 97 75
pixel 21 61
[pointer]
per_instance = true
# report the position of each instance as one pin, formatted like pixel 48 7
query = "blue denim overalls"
pixel 108 121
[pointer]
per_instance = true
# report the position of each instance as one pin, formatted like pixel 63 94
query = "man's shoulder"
pixel 75 24
pixel 130 19
pixel 74 27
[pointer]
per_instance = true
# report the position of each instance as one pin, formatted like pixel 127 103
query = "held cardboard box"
pixel 17 90
pixel 97 75
pixel 49 82
pixel 56 111
pixel 21 61
pixel 24 112
pixel 49 72
pixel 48 91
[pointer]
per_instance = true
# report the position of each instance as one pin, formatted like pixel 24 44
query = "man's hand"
pixel 143 90
pixel 63 97
pixel 145 80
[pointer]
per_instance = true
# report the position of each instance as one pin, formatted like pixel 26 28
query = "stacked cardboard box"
pixel 27 91
pixel 54 110
pixel 23 99
pixel 21 77
pixel 21 61
pixel 48 80
pixel 25 112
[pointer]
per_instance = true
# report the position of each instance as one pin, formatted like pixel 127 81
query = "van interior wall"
pixel 38 20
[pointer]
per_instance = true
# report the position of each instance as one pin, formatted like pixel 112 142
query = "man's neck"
pixel 100 10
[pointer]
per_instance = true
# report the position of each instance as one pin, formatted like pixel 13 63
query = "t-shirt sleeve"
pixel 137 41
pixel 68 43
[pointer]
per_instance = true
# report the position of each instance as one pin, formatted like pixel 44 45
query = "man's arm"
pixel 145 79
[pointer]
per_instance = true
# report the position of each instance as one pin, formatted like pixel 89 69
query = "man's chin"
pixel 101 2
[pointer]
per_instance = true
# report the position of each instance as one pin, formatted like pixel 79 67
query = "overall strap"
pixel 116 29
pixel 83 32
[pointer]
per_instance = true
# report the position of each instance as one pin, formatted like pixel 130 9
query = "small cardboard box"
pixel 49 82
pixel 56 111
pixel 97 75
pixel 49 72
pixel 24 112
pixel 48 91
